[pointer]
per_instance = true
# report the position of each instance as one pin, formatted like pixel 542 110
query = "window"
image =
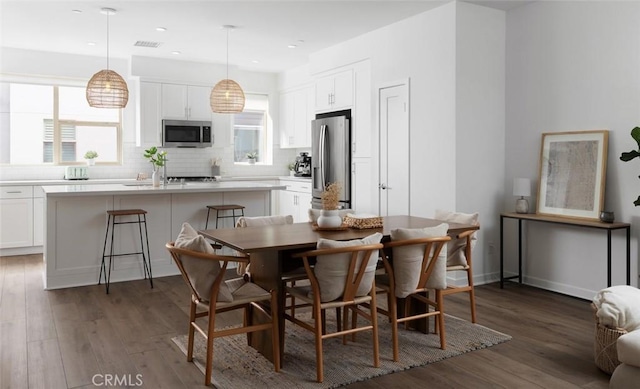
pixel 52 124
pixel 252 130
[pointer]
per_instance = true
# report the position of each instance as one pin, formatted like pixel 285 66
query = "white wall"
pixel 454 57
pixel 480 128
pixel 573 66
pixel 17 64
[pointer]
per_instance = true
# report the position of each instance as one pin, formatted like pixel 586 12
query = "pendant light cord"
pixel 227 53
pixel 108 12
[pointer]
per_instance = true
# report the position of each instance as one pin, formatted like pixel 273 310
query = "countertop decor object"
pixel 107 89
pixel 91 156
pixel 227 95
pixel 607 217
pixel 522 188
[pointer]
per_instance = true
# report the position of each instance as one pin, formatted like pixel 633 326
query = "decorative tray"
pixel 343 227
pixel 355 221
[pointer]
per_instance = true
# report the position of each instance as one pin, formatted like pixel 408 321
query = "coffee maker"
pixel 303 165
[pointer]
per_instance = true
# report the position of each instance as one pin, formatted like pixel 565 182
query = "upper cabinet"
pixel 334 91
pixel 150 119
pixel 186 102
pixel 296 114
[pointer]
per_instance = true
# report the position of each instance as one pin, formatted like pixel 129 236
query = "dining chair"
pixel 417 265
pixel 211 294
pixel 343 278
pixel 255 221
pixel 459 254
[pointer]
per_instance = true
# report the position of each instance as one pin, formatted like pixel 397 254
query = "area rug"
pixel 236 365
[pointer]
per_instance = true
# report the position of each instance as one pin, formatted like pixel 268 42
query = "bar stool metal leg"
pixel 146 260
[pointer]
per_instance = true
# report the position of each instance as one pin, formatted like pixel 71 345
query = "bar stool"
pixel 111 223
pixel 228 207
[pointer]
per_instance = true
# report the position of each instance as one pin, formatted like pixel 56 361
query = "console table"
pixel 566 221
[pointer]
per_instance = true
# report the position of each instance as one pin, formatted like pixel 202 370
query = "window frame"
pixel 266 138
pixel 57 131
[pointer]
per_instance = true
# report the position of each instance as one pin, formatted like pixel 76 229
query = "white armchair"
pixel 627 374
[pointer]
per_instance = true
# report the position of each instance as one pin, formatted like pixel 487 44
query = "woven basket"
pixel 362 223
pixel 605 350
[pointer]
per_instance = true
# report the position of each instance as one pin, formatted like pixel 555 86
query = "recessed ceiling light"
pixel 292 46
pixel 76 11
pixel 255 61
pixel 176 53
pixel 91 43
pixel 161 29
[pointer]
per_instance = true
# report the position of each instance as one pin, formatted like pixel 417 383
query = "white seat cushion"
pixel 455 247
pixel 331 270
pixel 407 260
pixel 200 272
pixel 629 349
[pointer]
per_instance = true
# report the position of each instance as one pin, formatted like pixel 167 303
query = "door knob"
pixel 383 186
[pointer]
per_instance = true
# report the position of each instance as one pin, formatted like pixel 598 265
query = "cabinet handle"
pixel 14 191
pixel 189 112
pixel 186 112
pixel 329 99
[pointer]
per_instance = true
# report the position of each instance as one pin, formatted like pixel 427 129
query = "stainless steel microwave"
pixel 186 133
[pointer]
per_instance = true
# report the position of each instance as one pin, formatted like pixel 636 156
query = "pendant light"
pixel 227 96
pixel 107 89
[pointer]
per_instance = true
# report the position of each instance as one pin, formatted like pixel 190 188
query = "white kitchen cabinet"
pixel 38 216
pixel 149 131
pixel 364 198
pixel 361 127
pixel 334 91
pixel 296 114
pixel 16 216
pixel 186 102
pixel 295 200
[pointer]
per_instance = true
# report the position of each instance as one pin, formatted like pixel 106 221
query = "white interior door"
pixel 393 185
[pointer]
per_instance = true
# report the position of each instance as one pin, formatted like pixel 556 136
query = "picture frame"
pixel 572 175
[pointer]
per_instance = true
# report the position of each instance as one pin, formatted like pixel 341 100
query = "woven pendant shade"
pixel 107 89
pixel 227 97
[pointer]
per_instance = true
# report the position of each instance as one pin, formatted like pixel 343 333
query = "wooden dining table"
pixel 270 248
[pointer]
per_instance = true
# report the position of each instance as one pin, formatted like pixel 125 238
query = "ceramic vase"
pixel 91 161
pixel 155 178
pixel 252 161
pixel 329 219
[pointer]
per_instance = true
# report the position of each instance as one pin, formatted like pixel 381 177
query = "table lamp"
pixel 522 188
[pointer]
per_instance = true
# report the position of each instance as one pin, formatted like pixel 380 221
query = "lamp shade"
pixel 107 89
pixel 521 187
pixel 227 97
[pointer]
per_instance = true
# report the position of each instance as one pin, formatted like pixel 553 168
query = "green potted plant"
pixel 628 156
pixel 252 157
pixel 158 160
pixel 292 167
pixel 91 156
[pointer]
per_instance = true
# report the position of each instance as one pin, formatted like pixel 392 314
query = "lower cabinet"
pixel 16 216
pixel 295 201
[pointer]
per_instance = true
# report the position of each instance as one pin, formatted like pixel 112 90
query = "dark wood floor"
pixel 62 338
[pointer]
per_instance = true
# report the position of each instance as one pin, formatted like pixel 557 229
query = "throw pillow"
pixel 331 270
pixel 200 272
pixel 455 250
pixel 264 221
pixel 407 260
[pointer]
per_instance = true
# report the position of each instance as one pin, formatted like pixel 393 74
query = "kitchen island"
pixel 76 217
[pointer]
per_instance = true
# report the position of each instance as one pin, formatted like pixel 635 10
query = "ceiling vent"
pixel 147 44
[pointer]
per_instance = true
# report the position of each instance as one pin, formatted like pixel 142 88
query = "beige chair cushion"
pixel 407 260
pixel 331 270
pixel 314 214
pixel 455 249
pixel 264 221
pixel 201 272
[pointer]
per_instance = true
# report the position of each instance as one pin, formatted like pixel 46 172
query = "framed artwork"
pixel 572 173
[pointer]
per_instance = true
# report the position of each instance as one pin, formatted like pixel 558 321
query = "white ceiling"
pixel 264 28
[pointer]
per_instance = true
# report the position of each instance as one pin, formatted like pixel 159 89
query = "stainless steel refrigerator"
pixel 331 156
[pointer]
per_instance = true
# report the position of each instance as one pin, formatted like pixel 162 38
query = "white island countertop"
pixel 146 188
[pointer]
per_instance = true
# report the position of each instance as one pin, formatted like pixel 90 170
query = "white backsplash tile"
pixel 181 162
